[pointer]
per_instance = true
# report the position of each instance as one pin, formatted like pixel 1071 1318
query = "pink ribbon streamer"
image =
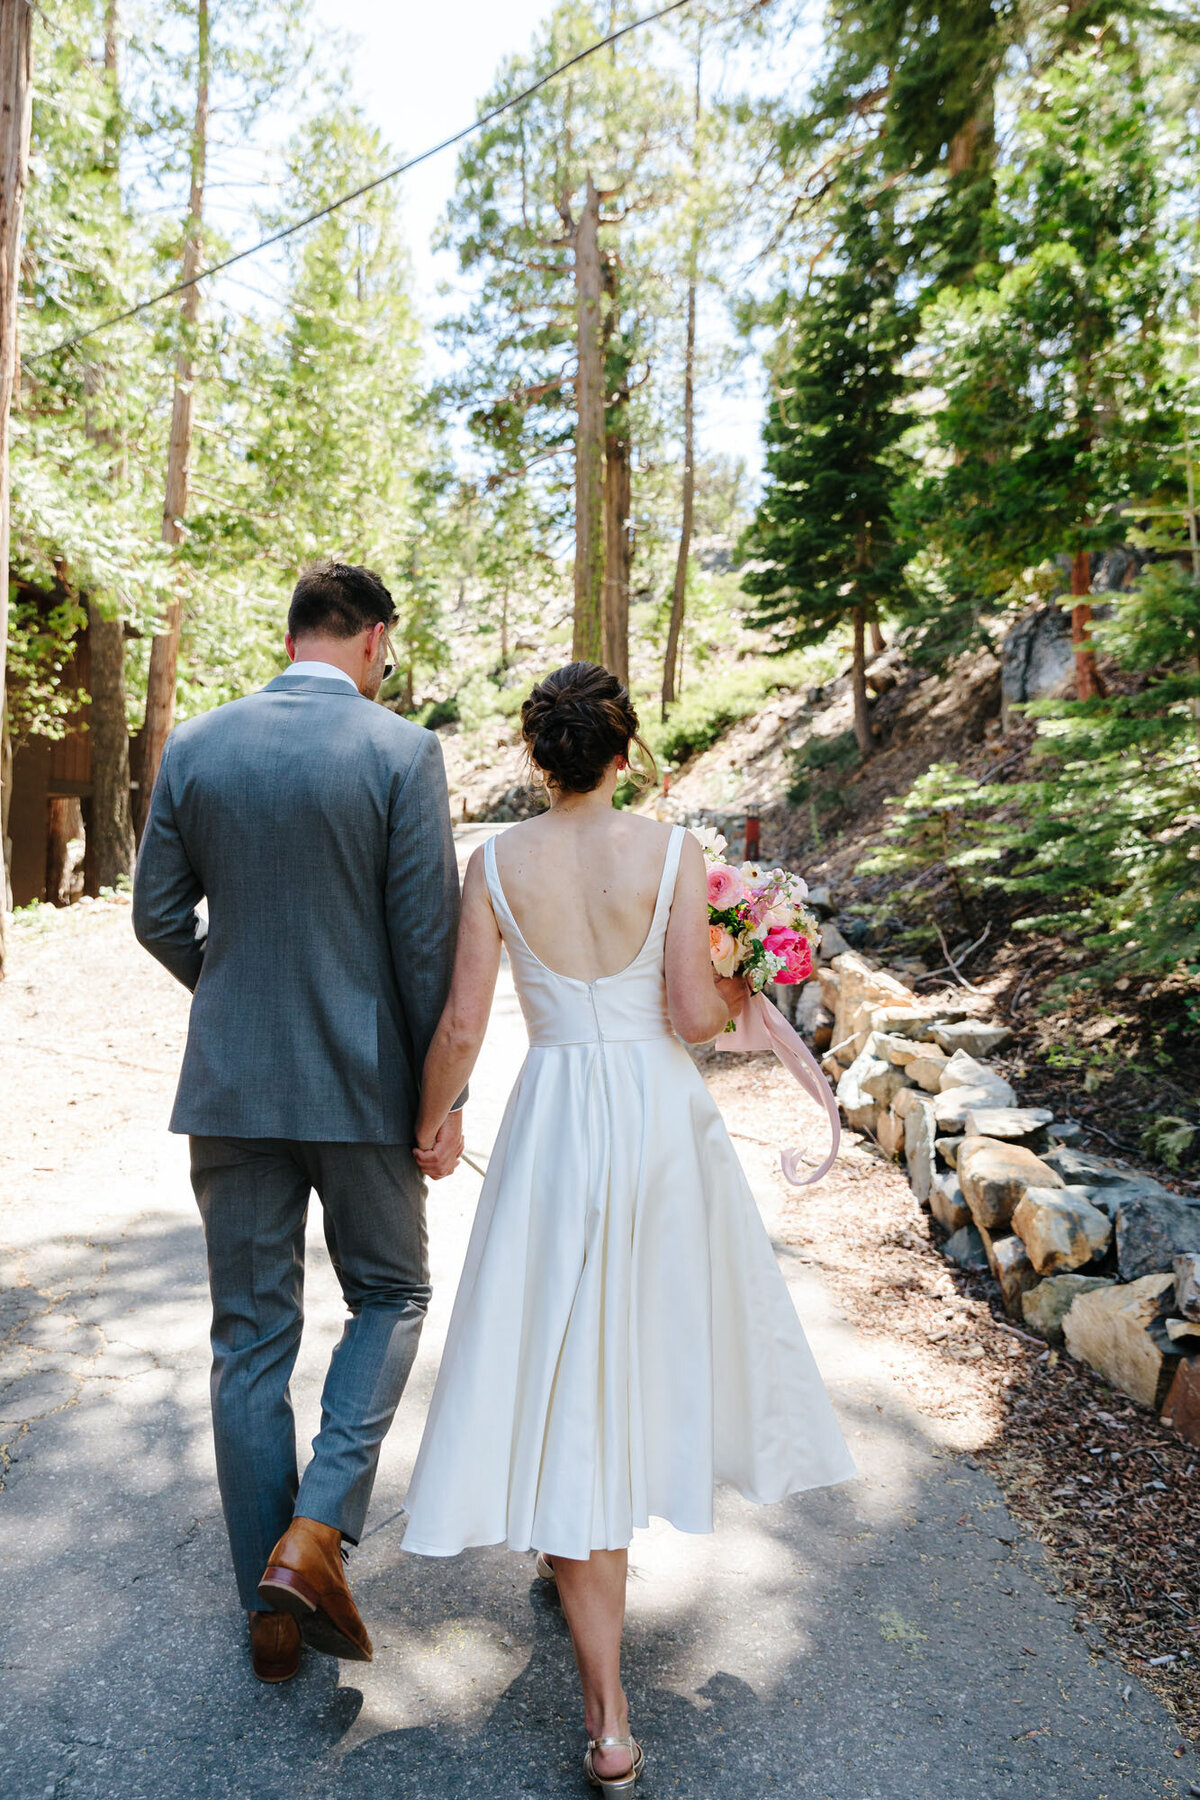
pixel 763 1027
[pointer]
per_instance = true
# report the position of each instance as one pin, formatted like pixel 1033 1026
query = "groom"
pixel 317 828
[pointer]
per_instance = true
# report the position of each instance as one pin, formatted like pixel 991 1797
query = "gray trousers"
pixel 253 1197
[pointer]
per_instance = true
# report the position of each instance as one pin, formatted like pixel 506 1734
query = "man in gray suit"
pixel 317 827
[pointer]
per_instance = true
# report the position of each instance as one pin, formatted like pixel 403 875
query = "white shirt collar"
pixel 325 671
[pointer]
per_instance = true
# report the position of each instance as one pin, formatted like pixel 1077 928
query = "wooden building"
pixel 50 780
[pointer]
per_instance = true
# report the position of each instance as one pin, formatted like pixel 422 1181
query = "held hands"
pixel 440 1157
pixel 733 991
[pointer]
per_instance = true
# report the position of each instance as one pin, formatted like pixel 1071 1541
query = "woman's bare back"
pixel 582 883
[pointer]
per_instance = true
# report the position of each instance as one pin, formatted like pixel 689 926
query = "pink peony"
pixel 781 941
pixel 725 887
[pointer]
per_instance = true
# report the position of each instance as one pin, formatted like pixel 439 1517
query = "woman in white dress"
pixel 622 1337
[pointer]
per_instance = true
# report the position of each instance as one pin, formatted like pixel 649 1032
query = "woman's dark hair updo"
pixel 575 722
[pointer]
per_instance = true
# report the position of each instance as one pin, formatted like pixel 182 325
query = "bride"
pixel 622 1336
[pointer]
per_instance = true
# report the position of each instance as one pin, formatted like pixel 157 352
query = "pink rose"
pixel 796 951
pixel 725 887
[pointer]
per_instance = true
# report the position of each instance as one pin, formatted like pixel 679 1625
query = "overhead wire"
pixel 287 231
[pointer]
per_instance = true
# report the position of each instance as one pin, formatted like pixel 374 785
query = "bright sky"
pixel 420 70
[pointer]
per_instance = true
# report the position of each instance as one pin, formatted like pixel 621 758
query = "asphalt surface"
pixel 899 1638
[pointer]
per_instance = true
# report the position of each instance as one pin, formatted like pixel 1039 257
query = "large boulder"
pixel 948 1149
pixel 1020 1124
pixel 1117 1331
pixel 812 1017
pixel 1045 1306
pixel 1036 658
pixel 889 1133
pixel 973 1037
pixel 919 1154
pixel 1060 1228
pixel 994 1177
pixel 1080 1169
pixel 1152 1230
pixel 946 1201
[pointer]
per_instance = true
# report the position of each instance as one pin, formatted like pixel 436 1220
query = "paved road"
pixel 896 1639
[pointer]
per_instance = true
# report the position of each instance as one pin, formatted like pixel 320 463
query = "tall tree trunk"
pixel 16 104
pixel 164 649
pixel 109 822
pixel 618 500
pixel 110 817
pixel 1088 685
pixel 588 638
pixel 679 590
pixel 862 712
pixel 58 832
pixel 878 641
pixel 504 628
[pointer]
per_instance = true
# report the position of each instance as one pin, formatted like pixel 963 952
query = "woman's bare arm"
pixel 459 1035
pixel 700 1006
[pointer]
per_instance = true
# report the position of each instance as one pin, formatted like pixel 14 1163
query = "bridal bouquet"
pixel 758 924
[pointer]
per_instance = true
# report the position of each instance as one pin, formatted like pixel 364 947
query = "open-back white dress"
pixel 622 1337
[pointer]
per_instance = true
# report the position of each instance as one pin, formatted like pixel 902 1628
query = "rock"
pixel 811 1011
pixel 1152 1230
pixel 1044 1306
pixel 995 1175
pixel 889 1132
pixel 1036 657
pixel 833 1068
pixel 1013 1270
pixel 962 1071
pixel 948 1148
pixel 1181 1408
pixel 1184 1332
pixel 918 1147
pixel 952 1107
pixel 972 1036
pixel 831 983
pixel 946 1201
pixel 861 1111
pixel 1065 1131
pixel 1082 1170
pixel 898 1050
pixel 861 986
pixel 1060 1229
pixel 1187 1286
pixel 846 1051
pixel 906 1101
pixel 832 942
pixel 965 1247
pixel 820 898
pixel 886 1085
pixel 1011 1122
pixel 926 1069
pixel 1111 1329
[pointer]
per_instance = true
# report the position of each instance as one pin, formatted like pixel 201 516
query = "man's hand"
pixel 441 1157
pixel 733 991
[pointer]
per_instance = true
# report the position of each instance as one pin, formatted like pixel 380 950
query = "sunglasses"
pixel 389 668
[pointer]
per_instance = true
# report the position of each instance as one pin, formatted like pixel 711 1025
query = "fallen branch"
pixel 969 951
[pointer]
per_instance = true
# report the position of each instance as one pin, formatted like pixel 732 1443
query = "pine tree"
pixel 822 547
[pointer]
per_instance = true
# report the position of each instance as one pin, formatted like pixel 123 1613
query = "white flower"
pixel 710 840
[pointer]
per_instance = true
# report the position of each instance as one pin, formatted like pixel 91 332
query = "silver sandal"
pixel 614 1784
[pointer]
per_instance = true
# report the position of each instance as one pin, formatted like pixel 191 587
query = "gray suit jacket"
pixel 317 826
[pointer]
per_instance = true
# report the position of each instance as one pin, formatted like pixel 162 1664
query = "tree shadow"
pixel 887 1638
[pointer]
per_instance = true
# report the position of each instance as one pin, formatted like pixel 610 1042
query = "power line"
pixel 288 231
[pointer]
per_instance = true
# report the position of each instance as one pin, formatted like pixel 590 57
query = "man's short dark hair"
pixel 335 599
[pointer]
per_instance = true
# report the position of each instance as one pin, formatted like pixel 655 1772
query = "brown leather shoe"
pixel 275 1645
pixel 305 1578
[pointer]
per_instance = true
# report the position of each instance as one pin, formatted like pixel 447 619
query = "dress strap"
pixel 500 905
pixel 666 885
